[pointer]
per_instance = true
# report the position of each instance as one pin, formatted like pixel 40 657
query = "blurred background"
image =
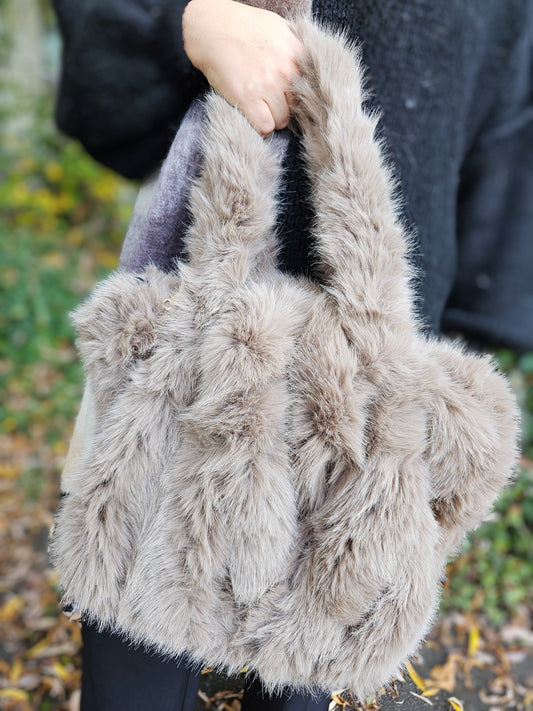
pixel 62 221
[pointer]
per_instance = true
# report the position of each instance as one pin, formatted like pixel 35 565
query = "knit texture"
pixel 453 80
pixel 280 469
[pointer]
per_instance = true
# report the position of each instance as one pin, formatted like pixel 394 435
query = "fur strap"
pixel 360 242
pixel 285 8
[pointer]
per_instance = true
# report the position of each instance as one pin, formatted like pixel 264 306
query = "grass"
pixel 494 575
pixel 44 277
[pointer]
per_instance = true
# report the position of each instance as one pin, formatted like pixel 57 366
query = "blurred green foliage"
pixel 519 368
pixel 494 574
pixel 62 219
pixel 40 377
pixel 49 185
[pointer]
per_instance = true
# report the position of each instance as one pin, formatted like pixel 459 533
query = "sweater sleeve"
pixel 125 79
pixel 492 299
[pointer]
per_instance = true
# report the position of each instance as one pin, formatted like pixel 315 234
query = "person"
pixel 453 84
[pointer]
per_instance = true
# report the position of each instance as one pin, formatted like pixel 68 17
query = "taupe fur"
pixel 286 8
pixel 280 468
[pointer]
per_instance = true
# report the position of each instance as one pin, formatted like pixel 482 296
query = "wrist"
pixel 197 18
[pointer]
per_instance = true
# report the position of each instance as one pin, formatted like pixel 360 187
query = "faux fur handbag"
pixel 280 468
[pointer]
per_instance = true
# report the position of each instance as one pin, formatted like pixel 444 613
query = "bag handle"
pixel 360 241
pixel 156 230
pixel 156 233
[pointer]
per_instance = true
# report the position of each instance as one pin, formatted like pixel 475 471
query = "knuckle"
pixel 266 127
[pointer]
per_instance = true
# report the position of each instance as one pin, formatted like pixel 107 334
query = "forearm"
pixel 126 79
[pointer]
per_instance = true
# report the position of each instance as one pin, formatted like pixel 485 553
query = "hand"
pixel 247 54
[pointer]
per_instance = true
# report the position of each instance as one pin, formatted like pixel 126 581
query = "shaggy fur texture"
pixel 285 8
pixel 279 468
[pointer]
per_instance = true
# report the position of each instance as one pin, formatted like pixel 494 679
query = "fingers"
pixel 269 114
pixel 279 109
pixel 248 55
pixel 277 95
pixel 261 117
pixel 265 101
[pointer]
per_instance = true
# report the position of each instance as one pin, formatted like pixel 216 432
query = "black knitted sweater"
pixel 453 81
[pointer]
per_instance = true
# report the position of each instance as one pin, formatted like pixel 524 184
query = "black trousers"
pixel 117 677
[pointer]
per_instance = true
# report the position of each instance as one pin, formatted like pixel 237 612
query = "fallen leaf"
pixel 37 649
pixel 501 693
pixel 443 675
pixel 415 676
pixel 517 657
pixel 28 681
pixel 513 633
pixel 473 640
pixel 61 671
pixel 456 704
pixel 44 649
pixel 11 608
pixel 418 696
pixel 16 670
pixel 75 700
pixel 14 694
pixel 9 472
pixel 528 699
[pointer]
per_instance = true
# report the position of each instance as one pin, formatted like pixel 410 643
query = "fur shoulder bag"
pixel 279 468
